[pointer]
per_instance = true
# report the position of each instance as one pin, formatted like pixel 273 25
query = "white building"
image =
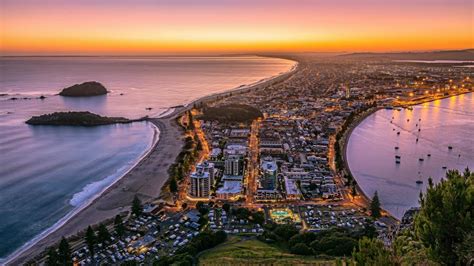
pixel 234 165
pixel 230 190
pixel 292 191
pixel 201 180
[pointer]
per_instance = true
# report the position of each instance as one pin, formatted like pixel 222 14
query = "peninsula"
pixel 86 119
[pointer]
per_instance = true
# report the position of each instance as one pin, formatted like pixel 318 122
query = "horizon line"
pixel 238 54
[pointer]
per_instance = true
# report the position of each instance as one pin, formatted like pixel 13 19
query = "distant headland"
pixel 86 119
pixel 90 88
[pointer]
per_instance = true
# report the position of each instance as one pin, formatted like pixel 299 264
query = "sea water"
pixel 46 172
pixel 437 125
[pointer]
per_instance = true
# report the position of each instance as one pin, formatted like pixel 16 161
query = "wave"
pixel 95 188
pixel 27 93
pixel 92 191
pixel 83 199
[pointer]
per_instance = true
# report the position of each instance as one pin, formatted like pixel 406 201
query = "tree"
pixel 465 250
pixel 445 219
pixel 103 235
pixel 191 120
pixel 301 249
pixel 371 252
pixel 118 225
pixel 285 231
pixel 219 237
pixel 137 207
pixel 199 145
pixel 202 221
pixel 64 252
pixel 173 185
pixel 334 245
pixel 353 189
pixel 203 210
pixel 226 207
pixel 199 205
pixel 258 217
pixel 410 251
pixel 375 206
pixel 369 230
pixel 241 213
pixel 90 239
pixel 306 237
pixel 52 259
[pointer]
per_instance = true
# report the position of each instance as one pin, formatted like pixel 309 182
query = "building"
pixel 234 165
pixel 270 146
pixel 268 168
pixel 207 166
pixel 201 180
pixel 200 185
pixel 267 195
pixel 235 148
pixel 292 191
pixel 231 190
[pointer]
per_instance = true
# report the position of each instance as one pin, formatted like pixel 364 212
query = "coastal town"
pixel 267 156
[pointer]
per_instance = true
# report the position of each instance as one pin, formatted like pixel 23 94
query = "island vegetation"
pixel 87 119
pixel 90 88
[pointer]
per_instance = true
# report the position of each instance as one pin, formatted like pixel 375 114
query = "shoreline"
pixel 422 101
pixel 359 120
pixel 141 179
pixel 77 209
pixel 347 136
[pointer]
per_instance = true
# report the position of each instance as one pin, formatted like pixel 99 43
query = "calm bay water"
pixel 371 150
pixel 47 172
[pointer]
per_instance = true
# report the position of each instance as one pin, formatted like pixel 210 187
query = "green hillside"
pixel 240 251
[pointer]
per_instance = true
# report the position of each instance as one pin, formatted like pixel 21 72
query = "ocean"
pixel 48 172
pixel 437 125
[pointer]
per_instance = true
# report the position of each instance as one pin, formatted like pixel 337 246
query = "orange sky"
pixel 206 26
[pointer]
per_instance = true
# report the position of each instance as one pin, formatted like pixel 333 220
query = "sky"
pixel 82 27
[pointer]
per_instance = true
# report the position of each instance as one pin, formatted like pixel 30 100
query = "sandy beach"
pixel 145 179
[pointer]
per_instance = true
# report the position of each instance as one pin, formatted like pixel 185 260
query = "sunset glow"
pixel 154 27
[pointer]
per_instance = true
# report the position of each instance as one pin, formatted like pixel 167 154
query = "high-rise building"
pixel 234 165
pixel 201 180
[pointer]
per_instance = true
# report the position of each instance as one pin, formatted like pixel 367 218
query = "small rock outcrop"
pixel 86 89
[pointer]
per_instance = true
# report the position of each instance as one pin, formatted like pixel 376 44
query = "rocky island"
pixel 86 119
pixel 90 88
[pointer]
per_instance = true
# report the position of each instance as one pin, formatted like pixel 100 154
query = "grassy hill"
pixel 241 251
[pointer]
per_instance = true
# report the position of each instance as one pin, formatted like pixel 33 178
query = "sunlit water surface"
pixel 371 150
pixel 47 172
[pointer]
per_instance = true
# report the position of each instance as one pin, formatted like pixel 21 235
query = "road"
pixel 252 166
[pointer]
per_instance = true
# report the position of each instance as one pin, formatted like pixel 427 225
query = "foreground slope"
pixel 241 251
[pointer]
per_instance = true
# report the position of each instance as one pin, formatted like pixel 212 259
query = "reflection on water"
pixel 84 103
pixel 47 171
pixel 437 125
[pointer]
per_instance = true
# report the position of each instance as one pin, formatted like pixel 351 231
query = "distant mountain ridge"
pixel 467 54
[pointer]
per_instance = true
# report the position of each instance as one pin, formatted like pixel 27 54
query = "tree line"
pixel 62 254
